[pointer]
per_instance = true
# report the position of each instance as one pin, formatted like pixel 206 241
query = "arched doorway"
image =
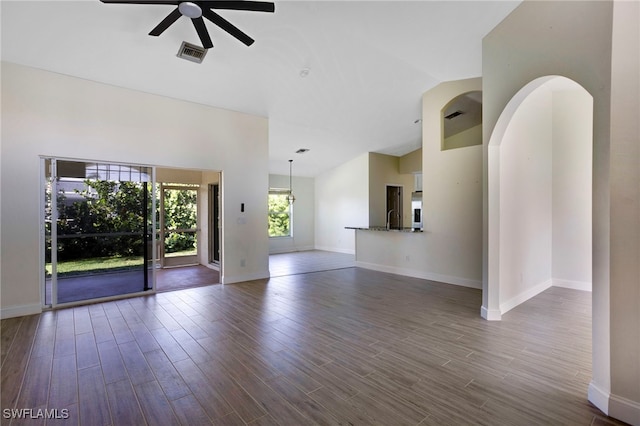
pixel 539 194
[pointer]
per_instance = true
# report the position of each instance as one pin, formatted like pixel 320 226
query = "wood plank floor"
pixel 168 279
pixel 341 347
pixel 79 288
pixel 303 262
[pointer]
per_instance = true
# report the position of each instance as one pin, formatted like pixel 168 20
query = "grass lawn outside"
pixel 101 265
pixel 189 252
pixel 96 265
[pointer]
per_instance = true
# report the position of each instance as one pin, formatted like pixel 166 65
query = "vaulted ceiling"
pixel 367 64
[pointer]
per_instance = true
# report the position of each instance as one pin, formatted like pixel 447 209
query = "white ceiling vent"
pixel 191 52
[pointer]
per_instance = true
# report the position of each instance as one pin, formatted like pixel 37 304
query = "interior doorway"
pixel 214 223
pixel 394 207
pixel 189 228
pixel 178 224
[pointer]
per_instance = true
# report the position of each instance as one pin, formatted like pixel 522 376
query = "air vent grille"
pixel 453 115
pixel 191 52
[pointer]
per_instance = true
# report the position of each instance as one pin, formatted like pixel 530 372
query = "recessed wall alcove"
pixel 461 121
pixel 540 192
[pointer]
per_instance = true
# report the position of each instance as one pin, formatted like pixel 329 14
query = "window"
pixel 279 213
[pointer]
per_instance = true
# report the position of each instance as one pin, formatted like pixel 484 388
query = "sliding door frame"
pixel 54 234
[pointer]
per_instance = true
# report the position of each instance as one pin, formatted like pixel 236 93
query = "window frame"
pixel 289 212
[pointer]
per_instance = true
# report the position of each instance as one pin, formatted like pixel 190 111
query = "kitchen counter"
pixel 383 229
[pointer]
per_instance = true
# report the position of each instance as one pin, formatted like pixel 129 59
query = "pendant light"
pixel 290 197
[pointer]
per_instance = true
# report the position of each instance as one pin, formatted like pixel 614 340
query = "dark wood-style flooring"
pixel 168 279
pixel 342 347
pixel 92 286
pixel 303 262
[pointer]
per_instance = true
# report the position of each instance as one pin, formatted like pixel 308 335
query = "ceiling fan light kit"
pixel 190 9
pixel 196 10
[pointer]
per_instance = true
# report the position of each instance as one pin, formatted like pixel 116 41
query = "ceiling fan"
pixel 197 9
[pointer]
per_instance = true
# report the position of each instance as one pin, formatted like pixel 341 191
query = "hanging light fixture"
pixel 290 197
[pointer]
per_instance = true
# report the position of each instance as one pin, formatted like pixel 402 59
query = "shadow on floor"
pixel 185 276
pixel 86 287
pixel 304 262
pixel 94 286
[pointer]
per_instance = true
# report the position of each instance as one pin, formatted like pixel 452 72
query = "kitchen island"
pixel 408 252
pixel 383 229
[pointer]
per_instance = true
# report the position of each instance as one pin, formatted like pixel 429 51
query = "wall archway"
pixel 539 194
pixel 599 50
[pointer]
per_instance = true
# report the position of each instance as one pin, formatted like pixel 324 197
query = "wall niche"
pixel 461 121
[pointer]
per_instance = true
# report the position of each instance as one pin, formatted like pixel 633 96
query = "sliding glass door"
pixel 98 223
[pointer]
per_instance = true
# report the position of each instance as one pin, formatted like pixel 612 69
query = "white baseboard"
pixel 613 405
pixel 20 311
pixel 490 314
pixel 447 279
pixel 304 248
pixel 575 285
pixel 243 278
pixel 290 249
pixel 335 249
pixel 524 296
pixel 213 266
pixel 624 409
pixel 598 397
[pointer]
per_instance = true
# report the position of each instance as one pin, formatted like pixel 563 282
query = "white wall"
pixel 342 199
pixel 302 238
pixel 597 45
pixel 545 193
pixel 411 163
pixel 572 124
pixel 469 137
pixel 172 175
pixel 625 214
pixel 525 201
pixel 54 115
pixel 452 194
pixel 450 248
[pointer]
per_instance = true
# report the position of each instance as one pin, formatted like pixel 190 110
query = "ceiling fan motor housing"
pixel 190 9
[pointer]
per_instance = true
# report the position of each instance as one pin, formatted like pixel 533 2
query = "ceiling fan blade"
pixel 175 2
pixel 227 26
pixel 254 6
pixel 166 22
pixel 202 32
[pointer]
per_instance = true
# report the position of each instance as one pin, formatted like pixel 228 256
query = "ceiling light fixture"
pixel 290 197
pixel 304 72
pixel 190 9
